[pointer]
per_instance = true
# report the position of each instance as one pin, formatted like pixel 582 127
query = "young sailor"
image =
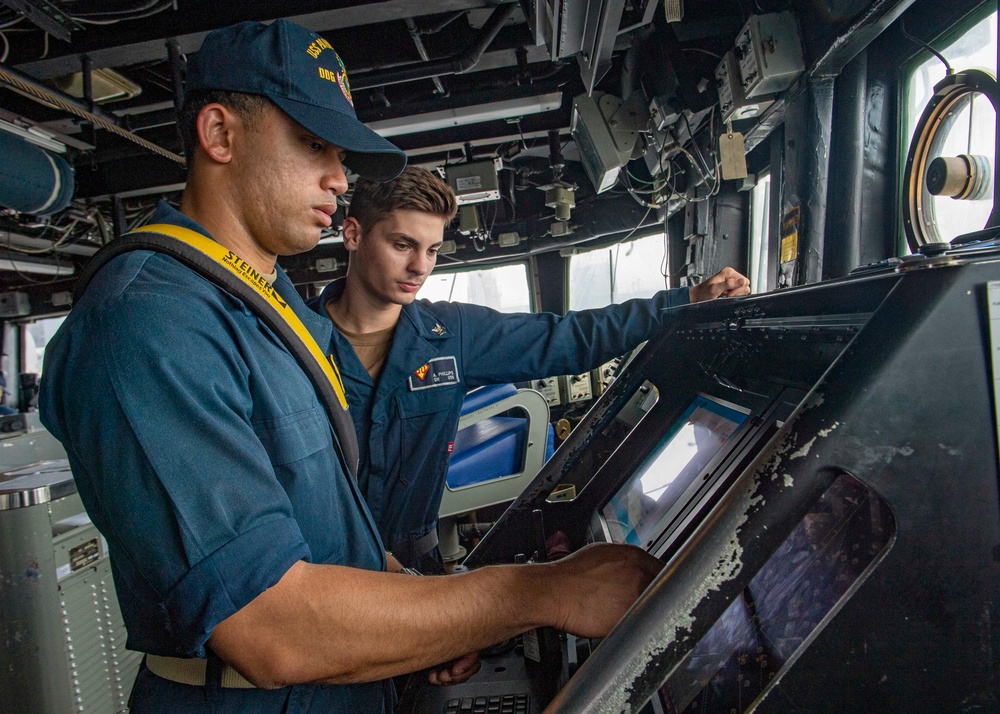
pixel 408 363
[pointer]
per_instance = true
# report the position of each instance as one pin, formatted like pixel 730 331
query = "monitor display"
pixel 600 172
pixel 685 450
pixel 788 599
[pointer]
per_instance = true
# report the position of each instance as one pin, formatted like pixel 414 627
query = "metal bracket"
pixel 45 16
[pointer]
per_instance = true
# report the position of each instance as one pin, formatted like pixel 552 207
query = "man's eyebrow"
pixel 413 241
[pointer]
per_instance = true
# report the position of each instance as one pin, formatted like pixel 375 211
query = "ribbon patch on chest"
pixel 438 372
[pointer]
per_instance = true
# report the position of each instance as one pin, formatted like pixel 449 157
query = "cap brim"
pixel 368 154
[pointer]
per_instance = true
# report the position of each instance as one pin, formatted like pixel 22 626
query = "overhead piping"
pixel 439 68
pixel 434 29
pixel 422 51
pixel 32 180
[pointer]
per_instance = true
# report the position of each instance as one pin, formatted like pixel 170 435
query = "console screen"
pixel 788 600
pixel 633 513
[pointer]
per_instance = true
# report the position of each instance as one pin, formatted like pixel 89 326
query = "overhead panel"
pixel 600 31
pixel 559 25
pixel 586 30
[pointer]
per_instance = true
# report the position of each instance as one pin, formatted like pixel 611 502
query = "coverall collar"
pixel 420 336
pixel 165 213
pixel 419 313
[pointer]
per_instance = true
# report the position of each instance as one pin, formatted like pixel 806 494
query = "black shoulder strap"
pixel 224 268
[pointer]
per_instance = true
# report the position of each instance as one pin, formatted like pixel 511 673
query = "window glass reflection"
pixel 503 288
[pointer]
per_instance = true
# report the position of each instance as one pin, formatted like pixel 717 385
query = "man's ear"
pixel 352 233
pixel 216 125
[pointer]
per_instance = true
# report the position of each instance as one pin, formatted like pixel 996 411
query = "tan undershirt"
pixel 372 348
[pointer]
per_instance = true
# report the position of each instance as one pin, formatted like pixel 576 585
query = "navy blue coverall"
pixel 203 455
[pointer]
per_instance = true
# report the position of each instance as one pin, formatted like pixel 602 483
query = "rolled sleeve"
pixel 228 579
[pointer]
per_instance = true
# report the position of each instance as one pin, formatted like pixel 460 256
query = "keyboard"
pixel 495 704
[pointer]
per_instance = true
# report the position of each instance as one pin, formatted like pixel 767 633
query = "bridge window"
pixel 635 269
pixel 760 204
pixel 35 336
pixel 503 288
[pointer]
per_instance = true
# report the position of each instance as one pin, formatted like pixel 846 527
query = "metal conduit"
pixel 438 68
pixel 40 92
pixel 422 51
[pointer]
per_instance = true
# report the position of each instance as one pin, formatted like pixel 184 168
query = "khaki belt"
pixel 192 672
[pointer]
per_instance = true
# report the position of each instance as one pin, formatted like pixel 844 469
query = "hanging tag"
pixel 732 154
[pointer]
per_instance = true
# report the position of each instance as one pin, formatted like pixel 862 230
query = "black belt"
pixel 409 551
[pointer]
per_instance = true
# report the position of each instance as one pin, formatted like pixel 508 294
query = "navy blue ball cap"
pixel 301 73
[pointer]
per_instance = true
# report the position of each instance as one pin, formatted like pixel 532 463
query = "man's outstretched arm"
pixel 332 624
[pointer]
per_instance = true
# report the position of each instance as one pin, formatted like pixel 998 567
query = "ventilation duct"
pixel 31 179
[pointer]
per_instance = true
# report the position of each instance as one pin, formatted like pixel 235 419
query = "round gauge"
pixel 948 180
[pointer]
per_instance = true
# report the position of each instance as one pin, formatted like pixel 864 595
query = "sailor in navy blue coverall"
pixel 144 472
pixel 407 419
pixel 406 425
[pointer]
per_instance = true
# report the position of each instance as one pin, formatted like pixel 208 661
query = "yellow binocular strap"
pixel 227 270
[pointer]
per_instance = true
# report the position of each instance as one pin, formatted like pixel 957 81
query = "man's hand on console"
pixel 597 584
pixel 726 283
pixel 333 624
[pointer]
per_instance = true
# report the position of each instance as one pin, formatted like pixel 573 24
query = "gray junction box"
pixel 474 182
pixel 770 54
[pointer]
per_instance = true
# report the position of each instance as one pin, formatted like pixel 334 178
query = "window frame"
pixel 765 239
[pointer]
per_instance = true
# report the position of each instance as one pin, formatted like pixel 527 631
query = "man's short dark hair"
pixel 415 189
pixel 249 108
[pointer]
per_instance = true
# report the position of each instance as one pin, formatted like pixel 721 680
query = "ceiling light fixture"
pixel 463 116
pixel 36 267
pixel 36 136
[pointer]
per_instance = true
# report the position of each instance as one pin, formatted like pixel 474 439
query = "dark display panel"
pixel 886 375
pixel 784 603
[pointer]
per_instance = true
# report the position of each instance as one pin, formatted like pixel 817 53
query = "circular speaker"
pixel 951 158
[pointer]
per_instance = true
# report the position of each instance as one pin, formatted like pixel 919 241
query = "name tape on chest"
pixel 438 372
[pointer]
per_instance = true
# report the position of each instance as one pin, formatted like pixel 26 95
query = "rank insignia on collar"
pixel 438 329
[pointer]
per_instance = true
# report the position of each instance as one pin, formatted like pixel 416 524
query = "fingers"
pixel 737 286
pixel 599 583
pixel 735 283
pixel 456 671
pixel 730 282
pixel 727 282
pixel 392 565
pixel 651 565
